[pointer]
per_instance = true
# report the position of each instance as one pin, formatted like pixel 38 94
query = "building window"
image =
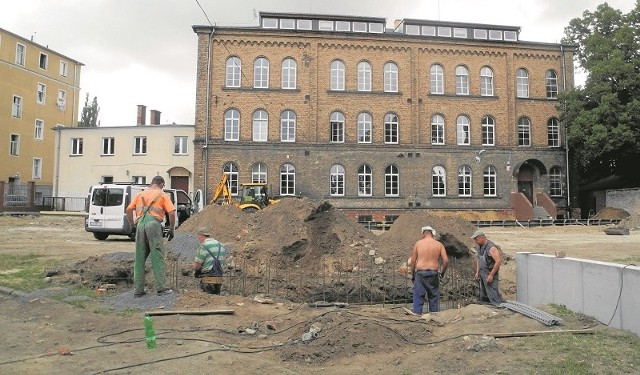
pixel 232 125
pixel 287 180
pixel 336 183
pixel 464 181
pixel 39 130
pixel 259 173
pixel 364 128
pixel 444 31
pixel 16 109
pixel 288 126
pixel 108 146
pixel 365 181
pixel 43 61
pixel 260 125
pixel 180 146
pixel 552 85
pixel 337 127
pixel 555 182
pixel 391 128
pixel 486 81
pixel 463 130
pixel 62 99
pixel 304 25
pixel 76 146
pixel 522 83
pixel 437 79
pixel 64 68
pixel 231 170
pixel 488 131
pixel 479 34
pixel 139 180
pixel 41 93
pixel 391 181
pixel 524 132
pixel 390 77
pixel 324 25
pixel 140 145
pixel 459 32
pixel 364 76
pixel 269 23
pixel 234 72
pixel 14 145
pixel 437 130
pixel 21 54
pixel 439 182
pixel 462 81
pixel 37 168
pixel 261 73
pixel 289 68
pixel 412 30
pixel 343 26
pixel 337 75
pixel 553 132
pixel 359 27
pixel 287 24
pixel 490 179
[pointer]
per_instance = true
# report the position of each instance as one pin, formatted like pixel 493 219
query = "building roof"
pixel 41 46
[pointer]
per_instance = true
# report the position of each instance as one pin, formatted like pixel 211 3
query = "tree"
pixel 603 117
pixel 89 116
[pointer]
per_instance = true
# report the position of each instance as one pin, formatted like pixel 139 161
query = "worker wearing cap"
pixel 150 205
pixel 209 260
pixel 487 267
pixel 427 264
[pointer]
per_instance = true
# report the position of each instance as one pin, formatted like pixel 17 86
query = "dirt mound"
pixel 609 213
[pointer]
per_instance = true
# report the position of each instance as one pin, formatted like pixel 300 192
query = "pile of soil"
pixel 609 213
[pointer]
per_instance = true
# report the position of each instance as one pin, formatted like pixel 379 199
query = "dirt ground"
pixel 45 335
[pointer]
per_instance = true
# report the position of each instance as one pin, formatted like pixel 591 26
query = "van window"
pixel 107 197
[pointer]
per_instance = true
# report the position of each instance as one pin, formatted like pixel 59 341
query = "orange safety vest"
pixel 148 200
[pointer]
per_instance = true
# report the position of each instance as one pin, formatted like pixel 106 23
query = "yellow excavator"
pixel 253 195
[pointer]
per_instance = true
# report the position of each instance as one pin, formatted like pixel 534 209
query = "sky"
pixel 144 51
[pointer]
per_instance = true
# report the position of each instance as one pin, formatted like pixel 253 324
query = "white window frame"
pixel 437 79
pixel 486 81
pixel 488 131
pixel 14 144
pixel 108 146
pixel 41 93
pixel 365 181
pixel 288 126
pixel 38 133
pixel 524 132
pixel 140 145
pixel 181 145
pixel 522 83
pixel 437 130
pixel 77 145
pixel 490 179
pixel 233 177
pixel 36 172
pixel 364 76
pixel 555 182
pixel 337 127
pixel 289 74
pixel 391 128
pixel 64 68
pixel 462 80
pixel 365 125
pixel 21 54
pixel 463 127
pixel 16 107
pixel 390 77
pixel 260 125
pixel 438 181
pixel 233 76
pixel 551 84
pixel 336 181
pixel 337 75
pixel 232 125
pixel 464 181
pixel 553 132
pixel 43 61
pixel 259 173
pixel 261 73
pixel 62 99
pixel 391 181
pixel 287 180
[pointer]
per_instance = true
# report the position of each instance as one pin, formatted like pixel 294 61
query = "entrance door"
pixel 180 183
pixel 525 182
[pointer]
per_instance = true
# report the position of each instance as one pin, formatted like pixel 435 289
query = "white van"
pixel 107 204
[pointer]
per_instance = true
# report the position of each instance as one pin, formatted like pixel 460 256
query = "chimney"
pixel 155 116
pixel 142 115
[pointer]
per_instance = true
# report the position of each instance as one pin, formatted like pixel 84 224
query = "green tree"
pixel 603 117
pixel 89 116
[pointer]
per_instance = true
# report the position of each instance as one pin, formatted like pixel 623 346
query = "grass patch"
pixel 629 260
pixel 25 272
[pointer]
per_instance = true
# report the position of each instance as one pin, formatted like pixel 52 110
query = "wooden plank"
pixel 191 312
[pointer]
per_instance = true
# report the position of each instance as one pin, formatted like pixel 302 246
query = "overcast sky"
pixel 144 51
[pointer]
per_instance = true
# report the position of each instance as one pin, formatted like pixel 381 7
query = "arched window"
pixel 462 80
pixel 364 76
pixel 391 181
pixel 288 126
pixel 555 182
pixel 522 83
pixel 336 182
pixel 437 130
pixel 261 73
pixel 259 172
pixel 488 131
pixel 463 130
pixel 337 75
pixel 437 79
pixel 336 123
pixel 231 170
pixel 438 181
pixel 287 180
pixel 552 84
pixel 490 181
pixel 391 128
pixel 260 125
pixel 232 125
pixel 524 132
pixel 464 181
pixel 390 77
pixel 364 128
pixel 234 72
pixel 486 81
pixel 289 69
pixel 365 181
pixel 553 132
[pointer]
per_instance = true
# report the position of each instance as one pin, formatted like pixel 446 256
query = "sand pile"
pixel 609 213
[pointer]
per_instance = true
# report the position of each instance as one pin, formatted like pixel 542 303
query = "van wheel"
pixel 100 236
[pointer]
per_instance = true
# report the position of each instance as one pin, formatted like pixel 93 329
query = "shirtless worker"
pixel 425 270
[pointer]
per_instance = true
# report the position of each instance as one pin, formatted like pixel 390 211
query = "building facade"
pixel 123 154
pixel 429 114
pixel 39 90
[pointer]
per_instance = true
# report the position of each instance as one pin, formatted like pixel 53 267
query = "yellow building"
pixel 39 90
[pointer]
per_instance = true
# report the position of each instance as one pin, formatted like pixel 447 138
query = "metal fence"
pixel 64 203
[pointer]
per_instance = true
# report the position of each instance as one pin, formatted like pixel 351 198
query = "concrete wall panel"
pixel 568 285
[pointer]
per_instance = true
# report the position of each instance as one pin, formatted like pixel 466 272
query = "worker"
pixel 151 205
pixel 427 264
pixel 487 267
pixel 209 262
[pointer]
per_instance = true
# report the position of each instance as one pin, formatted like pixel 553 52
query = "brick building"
pixel 429 114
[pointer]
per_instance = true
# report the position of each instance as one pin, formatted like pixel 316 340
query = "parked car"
pixel 15 200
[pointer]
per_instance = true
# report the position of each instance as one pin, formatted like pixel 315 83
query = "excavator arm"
pixel 222 192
